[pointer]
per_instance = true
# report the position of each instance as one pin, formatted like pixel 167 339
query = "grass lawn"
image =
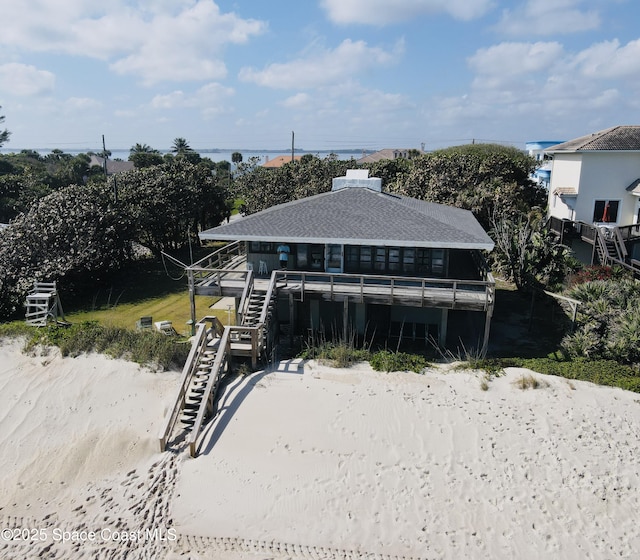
pixel 172 307
pixel 146 288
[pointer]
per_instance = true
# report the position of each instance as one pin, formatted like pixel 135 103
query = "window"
pixel 437 262
pixel 430 262
pixel 262 247
pixel 365 259
pixel 409 260
pixel 317 257
pixel 380 263
pixel 605 211
pixel 351 258
pixel 335 256
pixel 302 255
pixel 394 259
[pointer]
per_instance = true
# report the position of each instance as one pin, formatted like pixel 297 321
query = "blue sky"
pixel 361 74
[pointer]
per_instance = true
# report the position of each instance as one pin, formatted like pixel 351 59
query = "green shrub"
pixel 385 360
pixel 602 372
pixel 336 354
pixel 145 348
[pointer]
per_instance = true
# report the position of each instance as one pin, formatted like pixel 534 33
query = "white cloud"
pixel 323 67
pixel 210 99
pixel 506 63
pixel 82 104
pixel 609 60
pixel 514 81
pixel 21 80
pixel 159 41
pixel 383 12
pixel 548 17
pixel 299 100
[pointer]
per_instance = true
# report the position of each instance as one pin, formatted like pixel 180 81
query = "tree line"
pixel 69 221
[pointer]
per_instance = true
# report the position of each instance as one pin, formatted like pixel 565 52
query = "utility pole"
pixel 106 175
pixel 292 148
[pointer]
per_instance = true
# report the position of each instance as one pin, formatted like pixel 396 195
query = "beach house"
pixel 594 195
pixel 354 262
pixel 359 260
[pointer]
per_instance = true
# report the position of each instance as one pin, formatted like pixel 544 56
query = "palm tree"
pixel 4 134
pixel 180 147
pixel 236 157
pixel 143 155
pixel 142 149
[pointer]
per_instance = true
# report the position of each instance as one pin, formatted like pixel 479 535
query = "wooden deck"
pixel 361 288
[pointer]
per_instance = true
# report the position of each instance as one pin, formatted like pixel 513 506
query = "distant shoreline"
pixel 200 151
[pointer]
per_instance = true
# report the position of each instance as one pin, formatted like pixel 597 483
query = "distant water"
pixel 214 155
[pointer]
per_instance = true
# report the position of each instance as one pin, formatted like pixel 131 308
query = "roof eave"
pixel 477 245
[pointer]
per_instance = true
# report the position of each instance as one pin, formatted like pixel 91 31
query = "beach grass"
pixel 149 348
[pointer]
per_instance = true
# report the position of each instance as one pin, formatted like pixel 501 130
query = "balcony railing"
pixel 422 292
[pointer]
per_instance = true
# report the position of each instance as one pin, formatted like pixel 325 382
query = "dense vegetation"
pixel 85 232
pixel 608 321
pixel 69 222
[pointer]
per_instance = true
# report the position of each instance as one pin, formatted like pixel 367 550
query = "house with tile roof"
pixel 359 260
pixel 594 190
pixel 279 161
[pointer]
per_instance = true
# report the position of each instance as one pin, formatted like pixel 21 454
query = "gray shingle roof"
pixel 359 216
pixel 617 138
pixel 387 153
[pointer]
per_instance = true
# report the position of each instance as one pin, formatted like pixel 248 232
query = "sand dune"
pixel 325 463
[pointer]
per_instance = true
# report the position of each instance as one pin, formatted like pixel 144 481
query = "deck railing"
pixel 222 257
pixel 630 233
pixel 394 289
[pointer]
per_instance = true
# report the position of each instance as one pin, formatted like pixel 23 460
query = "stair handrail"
pixel 267 300
pixel 602 246
pixel 246 296
pixel 197 344
pixel 620 246
pixel 222 355
pixel 217 258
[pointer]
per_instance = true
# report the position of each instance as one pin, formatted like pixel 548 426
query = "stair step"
pixel 189 412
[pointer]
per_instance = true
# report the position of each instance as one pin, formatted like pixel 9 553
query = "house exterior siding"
pixel 582 175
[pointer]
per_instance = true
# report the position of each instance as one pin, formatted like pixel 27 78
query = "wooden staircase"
pixel 251 316
pixel 195 393
pixel 208 361
pixel 610 248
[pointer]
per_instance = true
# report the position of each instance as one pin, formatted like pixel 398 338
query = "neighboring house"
pixel 360 261
pixel 388 153
pixel 594 189
pixel 279 161
pixel 538 150
pixel 113 166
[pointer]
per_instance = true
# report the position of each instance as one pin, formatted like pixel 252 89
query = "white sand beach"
pixel 325 463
